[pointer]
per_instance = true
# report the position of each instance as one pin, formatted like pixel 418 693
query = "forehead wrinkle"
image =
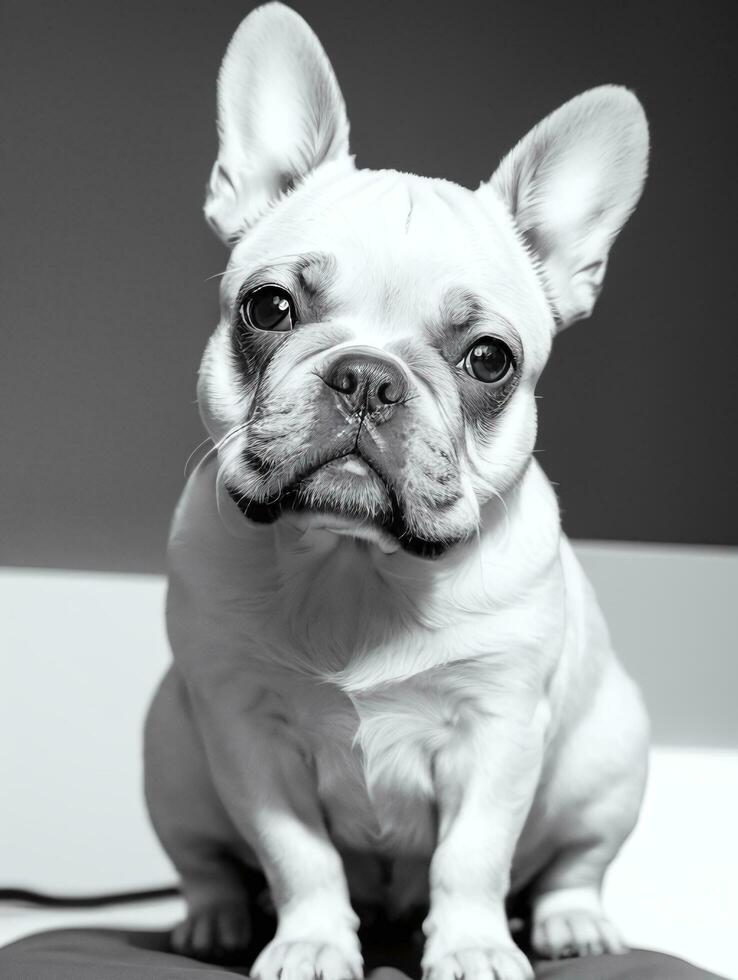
pixel 461 309
pixel 318 270
pixel 393 202
pixel 244 268
pixel 295 264
pixel 459 306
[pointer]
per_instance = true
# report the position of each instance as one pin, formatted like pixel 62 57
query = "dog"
pixel 391 680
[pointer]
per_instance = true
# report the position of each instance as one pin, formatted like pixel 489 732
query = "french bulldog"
pixel 391 680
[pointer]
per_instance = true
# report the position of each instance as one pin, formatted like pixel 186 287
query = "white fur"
pixel 339 698
pixel 571 184
pixel 266 134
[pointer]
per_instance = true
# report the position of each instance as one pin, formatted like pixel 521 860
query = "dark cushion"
pixel 108 954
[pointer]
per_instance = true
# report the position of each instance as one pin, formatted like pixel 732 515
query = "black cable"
pixel 29 897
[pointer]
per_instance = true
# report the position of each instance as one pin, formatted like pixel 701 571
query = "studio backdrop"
pixel 109 287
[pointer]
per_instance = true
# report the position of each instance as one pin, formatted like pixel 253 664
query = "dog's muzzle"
pixel 364 390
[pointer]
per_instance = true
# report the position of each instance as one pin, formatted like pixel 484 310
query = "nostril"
pixel 343 379
pixel 365 379
pixel 348 382
pixel 387 394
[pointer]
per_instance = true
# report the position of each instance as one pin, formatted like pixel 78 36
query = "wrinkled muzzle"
pixel 359 437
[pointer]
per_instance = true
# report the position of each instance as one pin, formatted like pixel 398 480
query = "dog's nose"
pixel 367 381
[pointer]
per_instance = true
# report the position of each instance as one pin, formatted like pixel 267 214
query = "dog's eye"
pixel 268 308
pixel 488 360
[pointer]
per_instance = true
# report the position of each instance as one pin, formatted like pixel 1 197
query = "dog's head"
pixel 381 334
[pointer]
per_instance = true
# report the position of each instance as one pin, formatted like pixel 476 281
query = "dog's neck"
pixel 343 576
pixel 336 598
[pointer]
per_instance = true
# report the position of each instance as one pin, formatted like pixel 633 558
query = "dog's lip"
pixel 358 465
pixel 352 462
pixel 266 512
pixel 353 458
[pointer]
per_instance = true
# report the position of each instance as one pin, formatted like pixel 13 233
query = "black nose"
pixel 367 381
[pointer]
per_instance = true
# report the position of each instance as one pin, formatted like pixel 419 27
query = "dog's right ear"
pixel 280 115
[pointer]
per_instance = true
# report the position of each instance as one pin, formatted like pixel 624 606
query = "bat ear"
pixel 571 185
pixel 280 115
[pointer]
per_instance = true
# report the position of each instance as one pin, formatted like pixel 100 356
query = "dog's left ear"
pixel 570 185
pixel 280 115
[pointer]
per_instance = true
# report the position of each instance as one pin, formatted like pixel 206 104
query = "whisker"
pixel 507 516
pixel 219 481
pixel 478 535
pixel 189 458
pixel 231 434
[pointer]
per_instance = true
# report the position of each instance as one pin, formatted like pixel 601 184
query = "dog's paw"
pixel 575 933
pixel 497 963
pixel 303 960
pixel 213 933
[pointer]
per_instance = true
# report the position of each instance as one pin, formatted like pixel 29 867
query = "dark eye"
pixel 488 360
pixel 268 308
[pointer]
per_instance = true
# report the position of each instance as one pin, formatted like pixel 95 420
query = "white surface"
pixel 17 921
pixel 673 618
pixel 80 655
pixel 674 886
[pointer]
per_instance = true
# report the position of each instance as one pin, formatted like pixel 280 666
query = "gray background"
pixel 107 139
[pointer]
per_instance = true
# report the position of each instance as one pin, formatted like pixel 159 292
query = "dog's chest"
pixel 371 756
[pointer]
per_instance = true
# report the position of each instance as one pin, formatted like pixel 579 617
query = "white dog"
pixel 391 682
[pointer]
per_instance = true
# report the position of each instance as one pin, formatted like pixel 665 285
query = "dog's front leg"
pixel 485 778
pixel 267 788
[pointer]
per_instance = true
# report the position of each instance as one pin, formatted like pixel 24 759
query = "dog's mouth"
pixel 350 488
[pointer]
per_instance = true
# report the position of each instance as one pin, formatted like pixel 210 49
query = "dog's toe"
pixel 510 964
pixel 575 933
pixel 506 963
pixel 307 960
pixel 213 933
